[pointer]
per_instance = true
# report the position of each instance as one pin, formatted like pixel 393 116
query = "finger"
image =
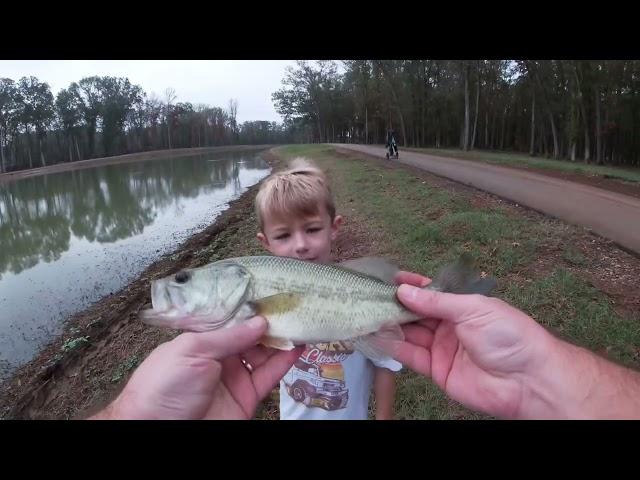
pixel 446 306
pixel 257 355
pixel 416 358
pixel 411 279
pixel 267 376
pixel 418 335
pixel 218 344
pixel 430 323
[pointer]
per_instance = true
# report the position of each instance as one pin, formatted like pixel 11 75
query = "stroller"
pixel 392 149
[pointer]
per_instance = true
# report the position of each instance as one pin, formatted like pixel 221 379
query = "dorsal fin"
pixel 376 267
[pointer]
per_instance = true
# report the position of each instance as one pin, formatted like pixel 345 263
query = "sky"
pixel 214 82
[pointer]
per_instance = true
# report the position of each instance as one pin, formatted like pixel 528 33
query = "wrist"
pixel 106 413
pixel 575 383
pixel 116 410
pixel 560 385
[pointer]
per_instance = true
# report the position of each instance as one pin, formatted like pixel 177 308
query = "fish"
pixel 303 302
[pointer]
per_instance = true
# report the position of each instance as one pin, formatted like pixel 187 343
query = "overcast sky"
pixel 214 82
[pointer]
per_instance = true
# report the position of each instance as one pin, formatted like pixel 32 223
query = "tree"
pixel 136 122
pixel 88 89
pixel 170 96
pixel 153 109
pixel 465 135
pixel 118 97
pixel 9 112
pixel 233 112
pixel 391 71
pixel 37 111
pixel 69 108
pixel 309 93
pixel 475 121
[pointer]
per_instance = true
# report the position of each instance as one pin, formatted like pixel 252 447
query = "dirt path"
pixel 599 180
pixel 610 214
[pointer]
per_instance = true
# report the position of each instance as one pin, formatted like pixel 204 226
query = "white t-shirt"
pixel 330 381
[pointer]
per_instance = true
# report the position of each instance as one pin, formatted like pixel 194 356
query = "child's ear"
pixel 262 238
pixel 335 225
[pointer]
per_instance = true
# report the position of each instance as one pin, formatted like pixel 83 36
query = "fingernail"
pixel 255 322
pixel 409 292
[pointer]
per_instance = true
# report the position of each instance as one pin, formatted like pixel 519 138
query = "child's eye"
pixel 282 236
pixel 313 230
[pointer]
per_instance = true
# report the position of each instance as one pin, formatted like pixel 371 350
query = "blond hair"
pixel 299 190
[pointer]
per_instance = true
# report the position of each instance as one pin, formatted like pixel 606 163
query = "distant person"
pixel 392 145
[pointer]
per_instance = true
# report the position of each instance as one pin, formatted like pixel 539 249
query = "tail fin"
pixel 461 277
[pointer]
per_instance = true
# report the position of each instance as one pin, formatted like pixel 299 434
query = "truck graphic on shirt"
pixel 308 384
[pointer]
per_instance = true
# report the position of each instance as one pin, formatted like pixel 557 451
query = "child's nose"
pixel 301 244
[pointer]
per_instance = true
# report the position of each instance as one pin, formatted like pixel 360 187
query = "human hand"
pixel 481 351
pixel 202 376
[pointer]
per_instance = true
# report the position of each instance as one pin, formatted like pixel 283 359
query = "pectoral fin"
pixel 381 345
pixel 277 343
pixel 276 304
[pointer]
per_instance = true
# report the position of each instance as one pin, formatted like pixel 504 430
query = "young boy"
pixel 297 218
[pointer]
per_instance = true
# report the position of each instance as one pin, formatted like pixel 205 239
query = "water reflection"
pixel 38 215
pixel 69 238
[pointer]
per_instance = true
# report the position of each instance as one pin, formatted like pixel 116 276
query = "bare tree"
pixel 170 96
pixel 532 150
pixel 233 111
pixel 475 121
pixel 465 135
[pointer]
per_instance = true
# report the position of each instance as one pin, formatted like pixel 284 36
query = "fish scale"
pixel 336 304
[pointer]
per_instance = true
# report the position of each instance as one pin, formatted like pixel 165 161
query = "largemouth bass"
pixel 303 302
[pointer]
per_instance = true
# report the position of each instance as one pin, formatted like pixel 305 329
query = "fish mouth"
pixel 170 311
pixel 156 318
pixel 165 311
pixel 166 296
pixel 160 296
pixel 174 319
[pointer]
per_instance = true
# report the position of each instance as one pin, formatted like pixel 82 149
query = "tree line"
pixel 585 110
pixel 102 116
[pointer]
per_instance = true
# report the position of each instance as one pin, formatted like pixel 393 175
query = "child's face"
pixel 306 238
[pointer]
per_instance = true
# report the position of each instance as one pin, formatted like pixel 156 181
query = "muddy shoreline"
pixel 73 363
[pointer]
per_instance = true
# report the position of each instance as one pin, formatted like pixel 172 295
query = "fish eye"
pixel 181 277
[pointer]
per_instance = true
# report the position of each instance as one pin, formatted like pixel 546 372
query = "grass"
pixel 426 227
pixel 579 313
pixel 573 257
pixel 74 343
pixel 125 367
pixel 516 160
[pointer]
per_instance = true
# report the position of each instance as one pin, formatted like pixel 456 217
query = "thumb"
pixel 218 344
pixel 431 304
